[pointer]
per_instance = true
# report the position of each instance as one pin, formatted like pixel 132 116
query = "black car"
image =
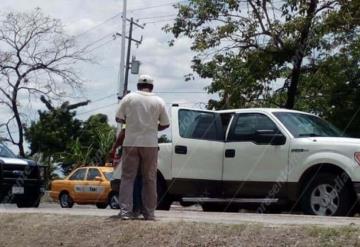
pixel 21 181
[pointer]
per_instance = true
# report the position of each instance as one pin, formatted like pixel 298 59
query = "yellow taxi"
pixel 86 185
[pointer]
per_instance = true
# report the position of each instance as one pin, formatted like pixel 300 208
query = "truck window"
pixel 78 175
pixel 199 125
pixel 247 124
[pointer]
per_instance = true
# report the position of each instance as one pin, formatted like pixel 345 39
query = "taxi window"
pixel 93 173
pixel 78 175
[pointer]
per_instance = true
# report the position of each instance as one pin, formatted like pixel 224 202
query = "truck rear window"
pixel 199 125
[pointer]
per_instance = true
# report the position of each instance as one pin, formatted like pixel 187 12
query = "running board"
pixel 227 200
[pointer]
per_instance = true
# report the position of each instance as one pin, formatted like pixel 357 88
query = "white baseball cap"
pixel 146 79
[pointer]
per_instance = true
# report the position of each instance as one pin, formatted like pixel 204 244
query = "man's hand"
pixel 119 120
pixel 162 127
pixel 112 152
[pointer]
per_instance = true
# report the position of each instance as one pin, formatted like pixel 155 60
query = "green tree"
pixel 261 52
pixel 333 89
pixel 97 135
pixel 51 134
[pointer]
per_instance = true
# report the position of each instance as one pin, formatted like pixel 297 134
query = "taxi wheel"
pixel 65 200
pixel 101 205
pixel 114 201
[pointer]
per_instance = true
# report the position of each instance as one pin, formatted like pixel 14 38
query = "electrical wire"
pixel 98 40
pixel 156 17
pixel 98 25
pixel 95 109
pixel 99 46
pixel 155 6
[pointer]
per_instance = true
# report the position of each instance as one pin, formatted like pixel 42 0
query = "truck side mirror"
pixel 97 178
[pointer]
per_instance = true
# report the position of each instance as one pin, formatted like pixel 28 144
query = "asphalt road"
pixel 192 214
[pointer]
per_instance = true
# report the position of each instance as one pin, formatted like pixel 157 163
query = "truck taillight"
pixel 357 157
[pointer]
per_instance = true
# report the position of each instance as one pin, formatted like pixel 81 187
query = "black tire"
pixel 164 200
pixel 186 204
pixel 327 195
pixel 65 200
pixel 101 205
pixel 114 200
pixel 28 204
pixel 216 207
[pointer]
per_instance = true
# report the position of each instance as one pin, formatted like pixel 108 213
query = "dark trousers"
pixel 137 204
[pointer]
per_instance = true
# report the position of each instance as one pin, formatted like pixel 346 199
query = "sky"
pixel 94 22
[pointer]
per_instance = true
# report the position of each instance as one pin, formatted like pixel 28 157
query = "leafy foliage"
pixel 295 54
pixel 61 138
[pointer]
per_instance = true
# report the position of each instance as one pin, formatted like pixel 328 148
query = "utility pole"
pixel 130 40
pixel 127 66
pixel 122 58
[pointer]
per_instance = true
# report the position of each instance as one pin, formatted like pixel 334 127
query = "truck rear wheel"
pixel 327 195
pixel 164 200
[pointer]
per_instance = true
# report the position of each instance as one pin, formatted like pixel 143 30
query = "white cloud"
pixel 167 65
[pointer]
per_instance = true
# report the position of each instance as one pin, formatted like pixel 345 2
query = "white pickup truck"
pixel 229 159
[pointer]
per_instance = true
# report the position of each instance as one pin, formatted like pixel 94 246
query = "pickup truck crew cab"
pixel 224 159
pixel 21 181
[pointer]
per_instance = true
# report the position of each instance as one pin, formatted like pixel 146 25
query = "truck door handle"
pixel 230 153
pixel 180 149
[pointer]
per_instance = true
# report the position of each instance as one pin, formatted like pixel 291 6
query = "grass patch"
pixel 65 230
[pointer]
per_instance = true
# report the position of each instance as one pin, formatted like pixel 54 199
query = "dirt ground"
pixel 63 230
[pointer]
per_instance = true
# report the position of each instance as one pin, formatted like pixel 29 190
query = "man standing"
pixel 144 114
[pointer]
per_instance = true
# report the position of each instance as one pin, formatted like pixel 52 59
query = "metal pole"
pixel 122 58
pixel 128 57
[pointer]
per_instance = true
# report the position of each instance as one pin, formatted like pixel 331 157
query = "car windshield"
pixel 305 125
pixel 108 175
pixel 6 152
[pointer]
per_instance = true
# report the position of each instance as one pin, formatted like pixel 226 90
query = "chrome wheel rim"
pixel 325 200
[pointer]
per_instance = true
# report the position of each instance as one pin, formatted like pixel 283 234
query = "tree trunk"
pixel 20 143
pixel 299 56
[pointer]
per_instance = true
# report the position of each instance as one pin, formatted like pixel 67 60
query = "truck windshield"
pixel 6 152
pixel 305 125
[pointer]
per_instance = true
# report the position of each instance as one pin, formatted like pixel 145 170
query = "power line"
pixel 98 25
pixel 102 98
pixel 156 17
pixel 155 6
pixel 120 14
pixel 99 46
pixel 98 40
pixel 95 109
pixel 152 22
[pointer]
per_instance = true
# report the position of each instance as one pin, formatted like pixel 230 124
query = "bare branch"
pixel 8 130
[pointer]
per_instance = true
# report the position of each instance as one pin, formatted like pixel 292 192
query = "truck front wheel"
pixel 327 195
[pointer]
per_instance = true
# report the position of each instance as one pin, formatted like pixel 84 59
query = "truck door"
pixel 256 157
pixel 197 155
